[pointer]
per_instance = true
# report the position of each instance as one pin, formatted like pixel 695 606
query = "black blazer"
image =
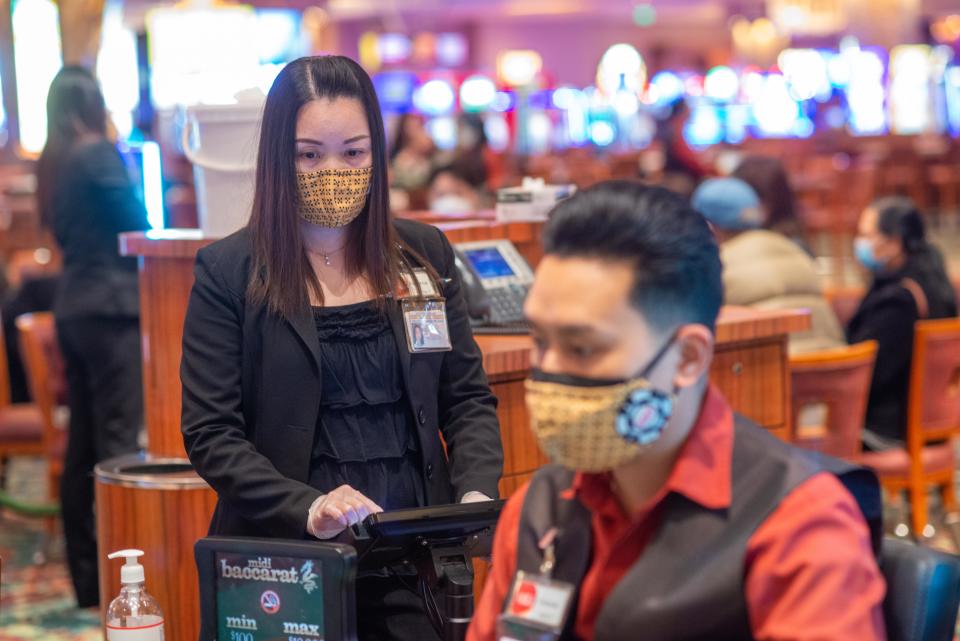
pixel 251 395
pixel 93 201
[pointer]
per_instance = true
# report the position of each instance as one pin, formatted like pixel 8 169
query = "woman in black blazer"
pixel 86 197
pixel 306 405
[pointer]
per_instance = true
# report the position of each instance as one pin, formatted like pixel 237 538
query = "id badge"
pixel 426 323
pixel 537 609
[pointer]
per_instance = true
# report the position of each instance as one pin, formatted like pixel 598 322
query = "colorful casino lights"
pixel 721 84
pixel 203 54
pixel 435 97
pixel 602 133
pixel 852 87
pixel 806 73
pixel 911 111
pixel 37 58
pixel 117 69
pixel 952 92
pixel 519 68
pixel 668 86
pixel 477 93
pixel 865 92
pixel 621 67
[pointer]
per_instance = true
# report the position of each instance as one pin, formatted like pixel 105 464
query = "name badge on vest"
pixel 426 323
pixel 537 609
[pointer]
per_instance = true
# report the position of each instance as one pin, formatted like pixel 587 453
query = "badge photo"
pixel 426 325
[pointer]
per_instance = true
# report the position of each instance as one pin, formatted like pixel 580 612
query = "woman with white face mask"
pixel 458 188
pixel 909 283
pixel 310 400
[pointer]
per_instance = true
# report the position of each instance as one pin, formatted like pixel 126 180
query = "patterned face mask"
pixel 333 197
pixel 597 425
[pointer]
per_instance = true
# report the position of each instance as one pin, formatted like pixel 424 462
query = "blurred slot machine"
pixel 37 59
pixel 539 124
pixel 436 99
pixel 910 89
pixel 951 88
pixel 144 166
pixel 865 90
pixel 395 93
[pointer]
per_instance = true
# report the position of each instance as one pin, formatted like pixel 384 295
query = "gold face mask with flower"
pixel 333 197
pixel 594 425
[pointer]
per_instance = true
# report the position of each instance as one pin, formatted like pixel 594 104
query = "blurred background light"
pixel 435 97
pixel 519 68
pixel 37 59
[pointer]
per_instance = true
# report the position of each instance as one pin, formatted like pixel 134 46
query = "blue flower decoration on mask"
pixel 644 415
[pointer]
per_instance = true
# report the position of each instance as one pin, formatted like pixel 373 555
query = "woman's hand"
pixel 332 513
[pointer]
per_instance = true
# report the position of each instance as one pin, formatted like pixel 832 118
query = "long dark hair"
pixel 769 179
pixel 75 111
pixel 281 273
pixel 898 217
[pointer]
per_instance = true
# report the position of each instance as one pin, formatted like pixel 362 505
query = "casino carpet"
pixel 36 599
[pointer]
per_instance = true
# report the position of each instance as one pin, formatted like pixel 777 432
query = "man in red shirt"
pixel 664 516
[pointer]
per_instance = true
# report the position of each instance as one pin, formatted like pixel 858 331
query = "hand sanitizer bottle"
pixel 134 615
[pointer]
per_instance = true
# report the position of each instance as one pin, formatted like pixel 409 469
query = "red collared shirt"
pixel 810 574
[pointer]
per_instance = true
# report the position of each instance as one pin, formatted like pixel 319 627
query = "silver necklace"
pixel 327 255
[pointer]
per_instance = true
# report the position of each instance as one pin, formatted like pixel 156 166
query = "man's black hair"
pixel 676 262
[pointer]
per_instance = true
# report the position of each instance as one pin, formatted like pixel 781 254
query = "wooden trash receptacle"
pixel 160 506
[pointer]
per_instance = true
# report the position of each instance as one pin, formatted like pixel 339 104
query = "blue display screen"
pixel 489 262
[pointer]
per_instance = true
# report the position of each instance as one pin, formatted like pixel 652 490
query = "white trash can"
pixel 221 142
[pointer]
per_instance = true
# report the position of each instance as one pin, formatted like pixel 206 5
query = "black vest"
pixel 689 582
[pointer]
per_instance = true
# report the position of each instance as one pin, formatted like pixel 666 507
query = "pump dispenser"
pixel 134 615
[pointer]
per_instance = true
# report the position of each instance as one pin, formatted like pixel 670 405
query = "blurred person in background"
pixel 909 283
pixel 86 197
pixel 762 268
pixel 458 188
pixel 32 276
pixel 682 169
pixel 411 154
pixel 472 144
pixel 768 177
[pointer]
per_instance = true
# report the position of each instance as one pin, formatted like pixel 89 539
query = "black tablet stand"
pixel 440 543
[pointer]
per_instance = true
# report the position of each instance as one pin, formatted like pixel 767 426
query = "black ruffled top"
pixel 366 435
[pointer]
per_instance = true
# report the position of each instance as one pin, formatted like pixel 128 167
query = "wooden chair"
pixel 45 376
pixel 933 420
pixel 837 380
pixel 944 180
pixel 21 424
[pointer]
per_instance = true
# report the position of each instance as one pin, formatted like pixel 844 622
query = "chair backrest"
pixel 923 592
pixel 5 394
pixel 43 363
pixel 933 409
pixel 838 381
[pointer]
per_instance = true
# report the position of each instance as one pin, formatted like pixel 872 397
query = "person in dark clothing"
pixel 86 196
pixel 307 402
pixel 910 283
pixel 682 169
